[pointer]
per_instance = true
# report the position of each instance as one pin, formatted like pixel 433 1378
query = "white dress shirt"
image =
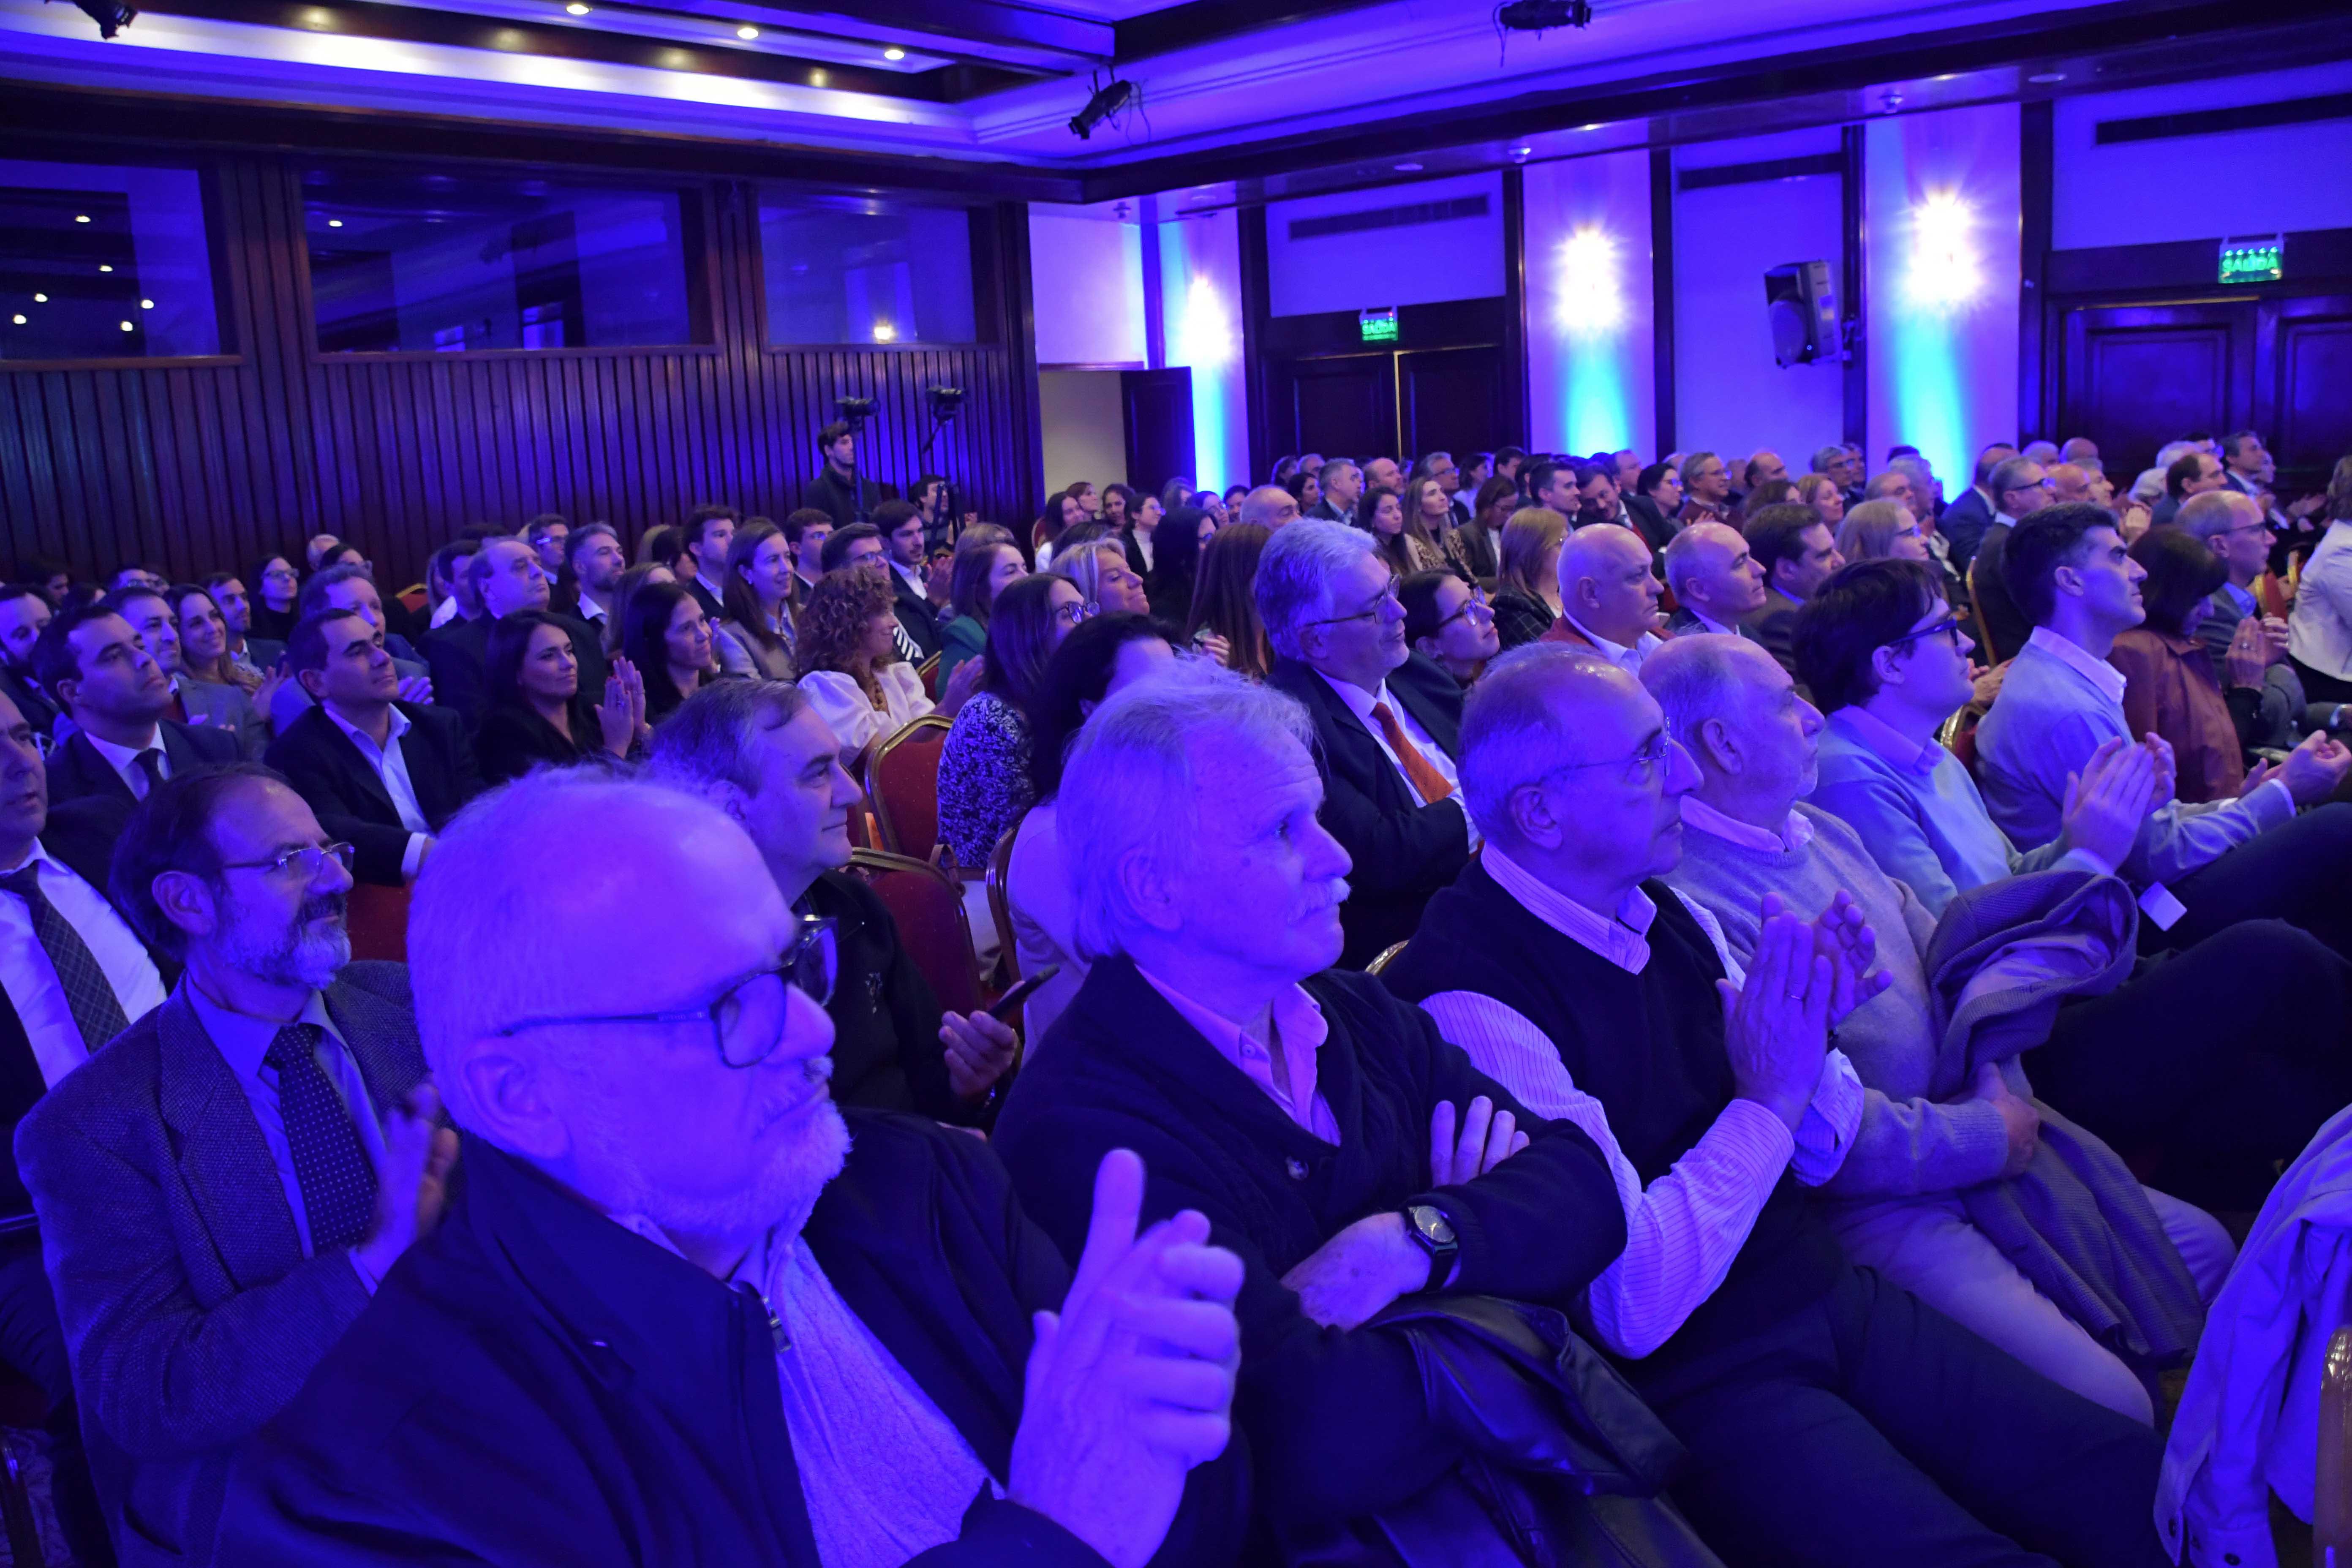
pixel 443 614
pixel 124 760
pixel 243 1040
pixel 1682 1232
pixel 2319 630
pixel 31 981
pixel 1362 702
pixel 393 769
pixel 1628 659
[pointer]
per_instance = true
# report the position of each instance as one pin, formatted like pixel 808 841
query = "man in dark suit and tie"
pixel 221 1190
pixel 902 540
pixel 507 576
pixel 1798 553
pixel 1386 725
pixel 1716 579
pixel 1343 487
pixel 1963 522
pixel 383 773
pixel 117 695
pixel 73 974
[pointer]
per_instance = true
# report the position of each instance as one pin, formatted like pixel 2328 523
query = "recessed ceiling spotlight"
pixel 146 304
pixel 1523 153
pixel 746 32
pixel 578 9
pixel 2046 77
pixel 1408 168
pixel 41 299
pixel 127 327
pixel 334 223
pixel 1594 126
pixel 102 267
pixel 81 217
pixel 894 54
pixel 20 320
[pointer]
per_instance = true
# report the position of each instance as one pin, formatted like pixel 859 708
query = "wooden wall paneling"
pixel 2300 402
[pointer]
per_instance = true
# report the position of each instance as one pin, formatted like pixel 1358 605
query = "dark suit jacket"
pixel 1996 609
pixel 30 700
pixel 458 655
pixel 1404 850
pixel 1655 527
pixel 1775 626
pixel 840 499
pixel 327 770
pixel 917 617
pixel 1963 524
pixel 536 1384
pixel 1327 513
pixel 190 1312
pixel 77 772
pixel 1683 623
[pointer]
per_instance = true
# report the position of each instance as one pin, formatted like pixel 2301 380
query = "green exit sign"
pixel 1377 326
pixel 2253 261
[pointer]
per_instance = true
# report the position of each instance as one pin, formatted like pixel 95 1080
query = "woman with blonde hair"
pixel 1107 584
pixel 1224 623
pixel 1527 596
pixel 1882 530
pixel 1820 492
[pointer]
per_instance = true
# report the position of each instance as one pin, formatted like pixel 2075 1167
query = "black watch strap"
pixel 1433 1234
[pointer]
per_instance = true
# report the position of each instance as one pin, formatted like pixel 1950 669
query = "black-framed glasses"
pixel 1072 614
pixel 747 1019
pixel 1475 604
pixel 312 858
pixel 1950 627
pixel 1372 612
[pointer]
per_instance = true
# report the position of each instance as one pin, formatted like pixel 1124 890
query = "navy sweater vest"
pixel 1649 1048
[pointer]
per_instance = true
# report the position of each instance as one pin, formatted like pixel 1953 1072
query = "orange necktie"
pixel 1423 777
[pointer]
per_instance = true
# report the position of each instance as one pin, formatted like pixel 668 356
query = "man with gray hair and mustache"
pixel 223 1186
pixel 684 1309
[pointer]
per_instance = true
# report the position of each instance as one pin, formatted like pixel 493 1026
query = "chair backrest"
pixel 1963 745
pixel 2272 595
pixel 1000 901
pixel 1980 624
pixel 927 904
pixel 902 779
pixel 413 598
pixel 377 919
pixel 2331 1494
pixel 927 672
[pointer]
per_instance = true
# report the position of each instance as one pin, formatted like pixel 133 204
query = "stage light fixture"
pixel 945 401
pixel 1542 16
pixel 1107 101
pixel 853 411
pixel 110 15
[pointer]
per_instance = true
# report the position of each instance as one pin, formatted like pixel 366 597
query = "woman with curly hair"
pixel 849 663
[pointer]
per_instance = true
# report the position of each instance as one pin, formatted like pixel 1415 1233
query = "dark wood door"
pixel 2305 387
pixel 1453 400
pixel 1333 403
pixel 2136 376
pixel 1158 405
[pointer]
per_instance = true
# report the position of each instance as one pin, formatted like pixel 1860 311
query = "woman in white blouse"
pixel 849 664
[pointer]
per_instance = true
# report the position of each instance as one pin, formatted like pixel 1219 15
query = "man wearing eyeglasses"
pixel 1386 723
pixel 2231 524
pixel 221 1189
pixel 2019 488
pixel 1831 1418
pixel 686 1310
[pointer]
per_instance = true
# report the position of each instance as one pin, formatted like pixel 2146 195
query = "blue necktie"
pixel 337 1178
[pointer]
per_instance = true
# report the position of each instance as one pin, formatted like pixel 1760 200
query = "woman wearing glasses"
pixel 1448 621
pixel 276 587
pixel 983 785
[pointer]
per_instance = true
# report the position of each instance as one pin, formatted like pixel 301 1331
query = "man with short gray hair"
pixel 685 1309
pixel 761 753
pixel 1831 1420
pixel 1270 507
pixel 1385 718
pixel 1343 486
pixel 1717 580
pixel 506 575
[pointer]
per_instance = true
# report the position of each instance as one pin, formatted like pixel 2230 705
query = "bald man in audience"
pixel 1270 507
pixel 685 1309
pixel 1831 1417
pixel 1609 595
pixel 1716 582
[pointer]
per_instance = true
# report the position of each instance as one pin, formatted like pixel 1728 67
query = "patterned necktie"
pixel 97 1012
pixel 338 1180
pixel 151 762
pixel 1417 769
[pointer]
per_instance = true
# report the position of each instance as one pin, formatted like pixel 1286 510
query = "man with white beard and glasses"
pixel 684 1310
pixel 223 1187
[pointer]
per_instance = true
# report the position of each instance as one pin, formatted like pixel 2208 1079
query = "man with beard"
pixel 685 1310
pixel 221 1189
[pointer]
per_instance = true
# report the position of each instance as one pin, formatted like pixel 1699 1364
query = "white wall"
pixel 1085 279
pixel 1460 258
pixel 2266 181
pixel 1730 396
pixel 1086 433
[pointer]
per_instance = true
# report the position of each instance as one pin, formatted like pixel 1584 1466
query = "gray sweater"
pixel 1908 1144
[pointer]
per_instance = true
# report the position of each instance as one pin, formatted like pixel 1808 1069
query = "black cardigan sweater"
pixel 1336 1419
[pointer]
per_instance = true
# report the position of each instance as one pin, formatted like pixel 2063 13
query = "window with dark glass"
pixel 99 261
pixel 852 270
pixel 443 264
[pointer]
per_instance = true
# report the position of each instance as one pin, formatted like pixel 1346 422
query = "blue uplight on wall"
pixel 1945 271
pixel 1590 366
pixel 1200 269
pixel 1589 310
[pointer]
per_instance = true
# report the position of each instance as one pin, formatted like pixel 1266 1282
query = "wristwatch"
pixel 1433 1234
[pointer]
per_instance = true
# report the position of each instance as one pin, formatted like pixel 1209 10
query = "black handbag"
pixel 1563 1465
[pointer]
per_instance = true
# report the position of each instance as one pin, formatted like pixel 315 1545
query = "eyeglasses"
pixel 1369 612
pixel 747 1019
pixel 1640 768
pixel 1071 615
pixel 313 858
pixel 281 574
pixel 1950 627
pixel 1474 607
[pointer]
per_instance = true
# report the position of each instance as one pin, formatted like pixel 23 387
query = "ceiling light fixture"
pixel 102 267
pixel 2046 77
pixel 1408 168
pixel 746 32
pixel 578 9
pixel 81 217
pixel 41 299
pixel 334 223
pixel 20 320
pixel 894 54
pixel 127 327
pixel 1107 101
pixel 146 304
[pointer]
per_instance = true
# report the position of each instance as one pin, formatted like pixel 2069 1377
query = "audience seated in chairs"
pixel 850 667
pixel 985 562
pixel 1101 658
pixel 1798 553
pixel 901 527
pixel 2232 525
pixel 1831 1417
pixel 684 1307
pixel 623 591
pixel 351 588
pixel 2207 1057
pixel 1882 530
pixel 1448 621
pixel 2019 488
pixel 2225 860
pixel 275 583
pixel 383 773
pixel 1385 724
pixel 1942 1136
pixel 204 704
pixel 1609 595
pixel 204 654
pixel 1224 623
pixel 507 577
pixel 103 676
pixel 761 752
pixel 223 1187
pixel 536 715
pixel 1526 593
pixel 984 780
pixel 1716 579
pixel 666 638
pixel 756 638
pixel 1334 1139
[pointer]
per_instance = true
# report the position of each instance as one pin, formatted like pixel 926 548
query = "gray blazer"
pixel 190 1313
pixel 216 705
pixel 2282 714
